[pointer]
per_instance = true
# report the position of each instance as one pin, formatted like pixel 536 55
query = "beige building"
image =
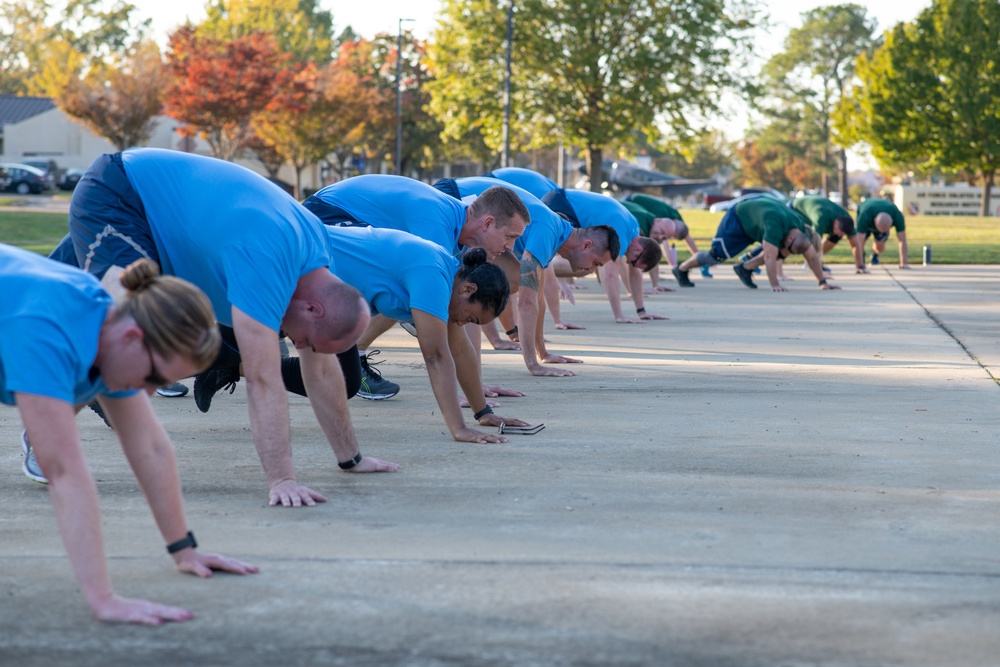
pixel 33 127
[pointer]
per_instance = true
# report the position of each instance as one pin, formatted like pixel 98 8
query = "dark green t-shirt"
pixel 821 212
pixel 767 219
pixel 659 208
pixel 644 217
pixel 869 208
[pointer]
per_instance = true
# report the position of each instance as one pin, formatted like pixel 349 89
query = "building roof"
pixel 15 108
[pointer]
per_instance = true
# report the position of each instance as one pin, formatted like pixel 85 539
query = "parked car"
pixel 24 179
pixel 46 166
pixel 70 178
pixel 744 194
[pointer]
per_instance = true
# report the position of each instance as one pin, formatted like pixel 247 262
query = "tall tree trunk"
pixel 984 204
pixel 594 172
pixel 842 163
pixel 824 174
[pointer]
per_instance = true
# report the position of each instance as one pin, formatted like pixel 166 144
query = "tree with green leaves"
pixel 812 74
pixel 421 131
pixel 930 95
pixel 300 27
pixel 587 72
pixel 34 36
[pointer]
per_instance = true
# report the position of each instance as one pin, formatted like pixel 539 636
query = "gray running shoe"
pixel 373 386
pixel 30 465
pixel 173 390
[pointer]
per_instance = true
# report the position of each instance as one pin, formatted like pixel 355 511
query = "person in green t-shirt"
pixel 875 218
pixel 661 209
pixel 781 231
pixel 832 221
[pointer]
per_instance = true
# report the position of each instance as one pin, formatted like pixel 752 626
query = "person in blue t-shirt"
pixel 404 204
pixel 526 179
pixel 408 279
pixel 547 237
pixel 63 343
pixel 397 202
pixel 639 253
pixel 262 260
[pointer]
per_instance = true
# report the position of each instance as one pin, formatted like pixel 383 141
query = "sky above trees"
pixel 369 18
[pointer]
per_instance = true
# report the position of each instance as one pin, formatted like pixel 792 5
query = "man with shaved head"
pixel 875 218
pixel 782 231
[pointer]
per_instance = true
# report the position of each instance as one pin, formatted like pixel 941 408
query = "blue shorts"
pixel 107 221
pixel 881 237
pixel 730 239
pixel 330 214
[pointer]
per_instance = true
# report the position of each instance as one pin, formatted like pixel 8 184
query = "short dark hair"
pixel 605 237
pixel 502 203
pixel 651 254
pixel 492 288
pixel 846 224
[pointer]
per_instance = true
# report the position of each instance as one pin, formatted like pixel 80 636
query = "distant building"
pixel 34 127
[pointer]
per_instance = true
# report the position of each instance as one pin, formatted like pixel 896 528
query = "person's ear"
pixel 468 288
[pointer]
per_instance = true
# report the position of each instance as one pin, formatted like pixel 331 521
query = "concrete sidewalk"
pixel 807 478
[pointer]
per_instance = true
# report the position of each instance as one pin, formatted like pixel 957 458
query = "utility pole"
pixel 505 155
pixel 399 97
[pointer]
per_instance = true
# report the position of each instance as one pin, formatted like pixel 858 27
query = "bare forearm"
pixel 635 280
pixel 441 372
pixel 268 406
pixel 611 277
pixel 74 500
pixel 527 315
pixel 328 397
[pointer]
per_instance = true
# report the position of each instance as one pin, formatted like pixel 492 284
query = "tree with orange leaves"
pixel 322 111
pixel 219 86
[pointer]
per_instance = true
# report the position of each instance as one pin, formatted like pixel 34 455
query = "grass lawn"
pixel 38 231
pixel 954 239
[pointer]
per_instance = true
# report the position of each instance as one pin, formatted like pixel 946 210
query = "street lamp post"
pixel 505 155
pixel 399 97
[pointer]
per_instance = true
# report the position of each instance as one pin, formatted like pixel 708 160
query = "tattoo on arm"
pixel 530 272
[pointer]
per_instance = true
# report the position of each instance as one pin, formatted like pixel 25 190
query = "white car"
pixel 729 203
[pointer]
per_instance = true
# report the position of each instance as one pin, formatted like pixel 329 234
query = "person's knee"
pixel 706 258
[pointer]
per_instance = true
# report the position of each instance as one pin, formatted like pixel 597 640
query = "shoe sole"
pixel 26 449
pixel 172 394
pixel 375 397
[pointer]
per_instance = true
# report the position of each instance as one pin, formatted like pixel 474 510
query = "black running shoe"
pixel 746 275
pixel 96 407
pixel 373 386
pixel 682 277
pixel 207 385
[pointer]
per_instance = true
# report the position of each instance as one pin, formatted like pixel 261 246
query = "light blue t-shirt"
pixel 547 231
pixel 526 179
pixel 231 232
pixel 594 209
pixel 396 271
pixel 50 320
pixel 397 202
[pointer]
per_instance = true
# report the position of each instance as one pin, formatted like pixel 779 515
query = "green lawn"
pixel 954 239
pixel 35 231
